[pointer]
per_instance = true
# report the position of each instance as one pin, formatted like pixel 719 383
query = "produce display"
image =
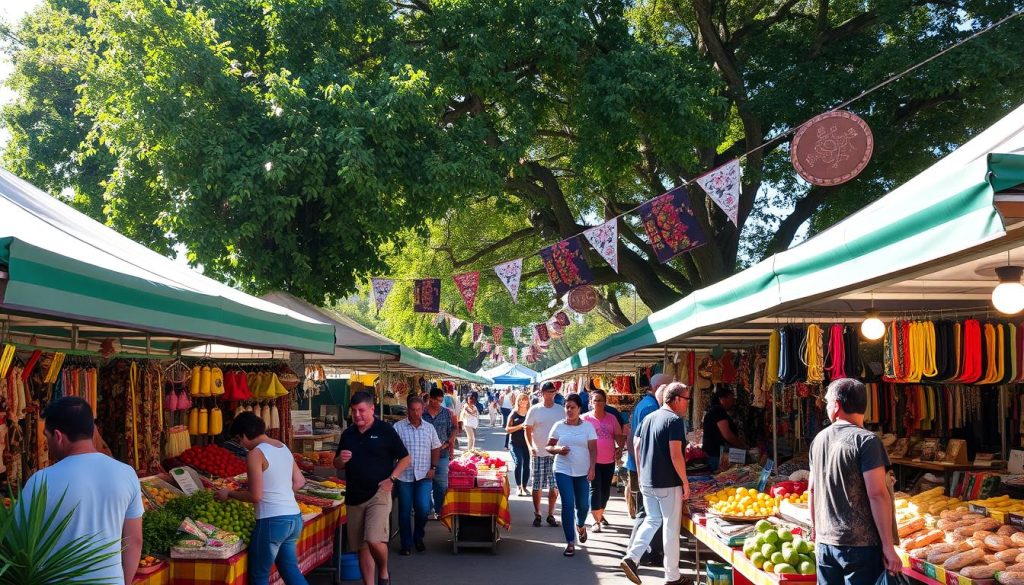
pixel 231 515
pixel 944 532
pixel 750 503
pixel 305 509
pixel 779 551
pixel 327 490
pixel 214 460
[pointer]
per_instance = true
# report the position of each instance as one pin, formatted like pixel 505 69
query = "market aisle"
pixel 526 554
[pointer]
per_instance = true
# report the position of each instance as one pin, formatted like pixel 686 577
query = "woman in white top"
pixel 273 478
pixel 470 418
pixel 573 442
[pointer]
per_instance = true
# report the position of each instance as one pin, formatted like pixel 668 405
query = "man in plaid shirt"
pixel 416 482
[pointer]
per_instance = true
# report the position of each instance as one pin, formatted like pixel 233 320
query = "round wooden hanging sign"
pixel 583 299
pixel 832 148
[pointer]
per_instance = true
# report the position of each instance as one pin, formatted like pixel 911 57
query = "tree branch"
pixel 803 211
pixel 757 26
pixel 509 239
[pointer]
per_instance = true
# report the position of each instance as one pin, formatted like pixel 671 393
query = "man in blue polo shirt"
pixel 644 407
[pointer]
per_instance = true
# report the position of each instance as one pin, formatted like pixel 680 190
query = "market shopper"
pixel 493 406
pixel 661 467
pixel 470 418
pixel 648 404
pixel 373 456
pixel 416 482
pixel 516 435
pixel 609 447
pixel 719 427
pixel 539 421
pixel 849 498
pixel 508 397
pixel 443 421
pixel 273 476
pixel 101 496
pixel 573 442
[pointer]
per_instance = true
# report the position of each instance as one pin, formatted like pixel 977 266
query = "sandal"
pixel 597 527
pixel 536 520
pixel 570 550
pixel 551 521
pixel 582 531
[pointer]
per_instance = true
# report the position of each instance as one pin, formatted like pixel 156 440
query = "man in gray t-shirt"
pixel 850 502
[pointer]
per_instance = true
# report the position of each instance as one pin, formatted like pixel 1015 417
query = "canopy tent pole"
pixel 775 423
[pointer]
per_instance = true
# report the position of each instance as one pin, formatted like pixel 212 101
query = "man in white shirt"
pixel 101 494
pixel 415 484
pixel 539 421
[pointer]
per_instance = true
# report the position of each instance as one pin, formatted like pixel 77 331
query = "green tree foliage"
pixel 453 244
pixel 284 143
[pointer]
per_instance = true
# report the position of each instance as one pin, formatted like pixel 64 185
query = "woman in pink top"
pixel 609 446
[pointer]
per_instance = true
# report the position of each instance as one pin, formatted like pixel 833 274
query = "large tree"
pixel 284 142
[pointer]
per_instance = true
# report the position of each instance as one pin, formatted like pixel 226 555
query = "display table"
pixel 315 547
pixel 743 572
pixel 161 576
pixel 946 469
pixel 463 510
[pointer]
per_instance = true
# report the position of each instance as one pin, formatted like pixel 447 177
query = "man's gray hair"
pixel 658 380
pixel 675 390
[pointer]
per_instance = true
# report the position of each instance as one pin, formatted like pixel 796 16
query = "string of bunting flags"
pixel 537 337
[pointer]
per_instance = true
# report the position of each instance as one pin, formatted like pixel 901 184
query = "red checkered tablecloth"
pixel 159 577
pixel 315 547
pixel 477 502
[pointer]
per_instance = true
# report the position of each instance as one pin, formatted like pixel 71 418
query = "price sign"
pixel 1015 520
pixel 185 481
pixel 769 467
pixel 976 509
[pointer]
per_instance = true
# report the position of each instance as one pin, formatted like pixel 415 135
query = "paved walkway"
pixel 526 555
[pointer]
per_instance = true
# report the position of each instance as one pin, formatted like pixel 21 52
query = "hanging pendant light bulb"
pixel 1008 296
pixel 872 327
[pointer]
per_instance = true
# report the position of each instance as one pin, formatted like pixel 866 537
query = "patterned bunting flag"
pixel 453 324
pixel 497 331
pixel 605 239
pixel 381 289
pixel 671 225
pixel 478 330
pixel 562 318
pixel 566 266
pixel 426 295
pixel 513 355
pixel 541 331
pixel 517 334
pixel 723 186
pixel 509 273
pixel 468 283
pixel 554 329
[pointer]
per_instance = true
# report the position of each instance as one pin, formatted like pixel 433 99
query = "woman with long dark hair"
pixel 517 442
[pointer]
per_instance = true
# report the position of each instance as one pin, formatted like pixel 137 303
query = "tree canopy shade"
pixel 284 143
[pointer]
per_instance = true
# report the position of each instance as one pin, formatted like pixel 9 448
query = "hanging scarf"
pixel 812 355
pixel 836 353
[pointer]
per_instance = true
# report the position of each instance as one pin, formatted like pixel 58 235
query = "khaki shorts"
pixel 368 522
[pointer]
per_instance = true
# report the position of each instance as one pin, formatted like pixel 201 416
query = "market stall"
pixel 87 312
pixel 901 295
pixel 476 504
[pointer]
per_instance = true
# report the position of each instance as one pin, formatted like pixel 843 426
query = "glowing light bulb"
pixel 1008 296
pixel 872 327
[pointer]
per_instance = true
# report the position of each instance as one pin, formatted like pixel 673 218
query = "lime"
pixel 784 568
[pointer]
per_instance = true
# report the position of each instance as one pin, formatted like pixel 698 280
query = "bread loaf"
pixel 964 559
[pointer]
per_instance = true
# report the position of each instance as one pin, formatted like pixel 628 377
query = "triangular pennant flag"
pixel 605 239
pixel 426 295
pixel 565 265
pixel 468 283
pixel 671 226
pixel 509 273
pixel 478 330
pixel 517 334
pixel 453 324
pixel 497 331
pixel 723 186
pixel 541 332
pixel 512 355
pixel 381 289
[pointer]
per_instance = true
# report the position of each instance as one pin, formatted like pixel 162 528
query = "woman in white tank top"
pixel 273 478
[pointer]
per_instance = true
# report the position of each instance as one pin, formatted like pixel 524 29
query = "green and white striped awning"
pixel 58 265
pixel 940 217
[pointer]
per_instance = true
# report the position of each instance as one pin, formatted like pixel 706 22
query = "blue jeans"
pixel 440 487
pixel 505 412
pixel 273 543
pixel 849 565
pixel 413 498
pixel 521 459
pixel 575 492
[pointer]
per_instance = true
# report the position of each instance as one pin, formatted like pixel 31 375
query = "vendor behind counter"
pixel 720 428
